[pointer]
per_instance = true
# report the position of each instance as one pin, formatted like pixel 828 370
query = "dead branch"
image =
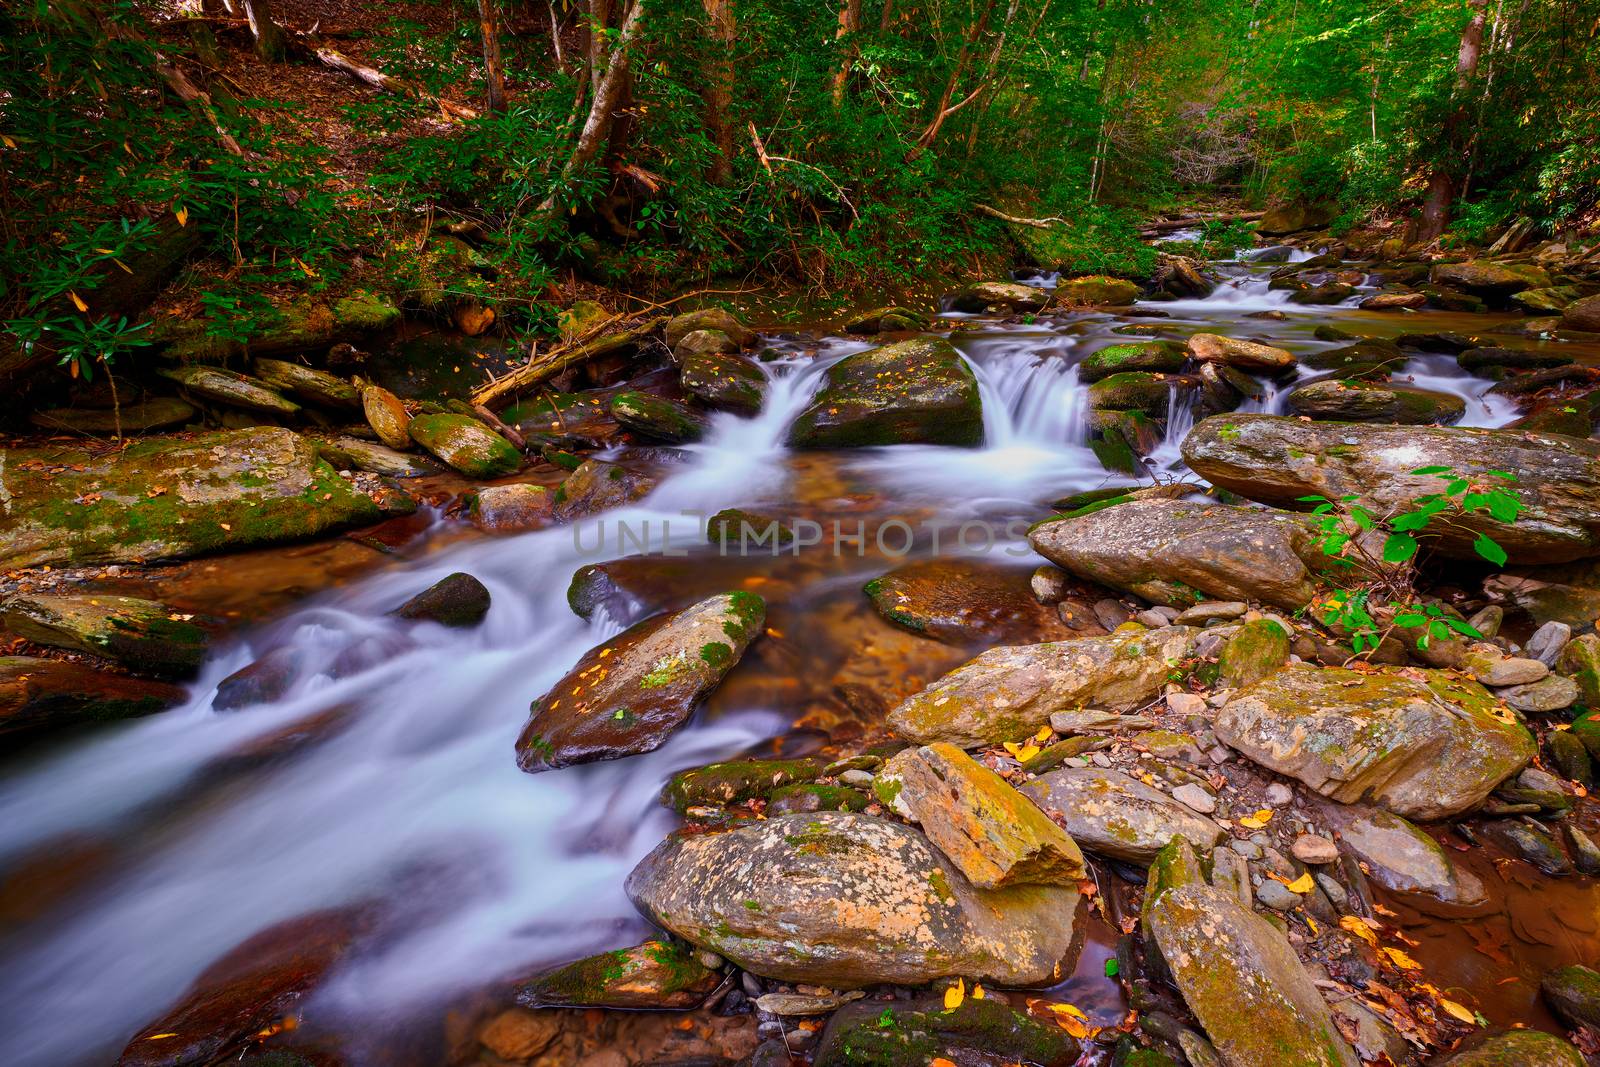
pixel 1041 224
pixel 559 359
pixel 379 80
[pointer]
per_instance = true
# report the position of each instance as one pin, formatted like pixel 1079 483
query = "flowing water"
pixel 133 858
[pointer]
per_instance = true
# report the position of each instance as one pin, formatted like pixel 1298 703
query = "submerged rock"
pixel 915 391
pixel 963 601
pixel 518 506
pixel 458 599
pixel 847 900
pixel 1423 744
pixel 630 693
pixel 994 834
pixel 1516 1048
pixel 875 1034
pixel 1113 814
pixel 142 635
pixel 1277 460
pixel 657 975
pixel 1179 553
pixel 1402 858
pixel 1008 693
pixel 465 445
pixel 1574 993
pixel 1358 401
pixel 41 695
pixel 734 781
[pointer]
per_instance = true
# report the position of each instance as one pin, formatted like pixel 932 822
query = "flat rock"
pixel 1361 401
pixel 1487 278
pixel 1516 1048
pixel 1402 858
pixel 465 445
pixel 387 416
pixel 1011 296
pixel 1244 355
pixel 142 635
pixel 1423 744
pixel 353 453
pixel 310 385
pixel 991 832
pixel 656 418
pixel 725 382
pixel 630 693
pixel 656 975
pixel 518 506
pixel 1008 693
pixel 847 900
pixel 599 486
pixel 1547 694
pixel 1114 814
pixel 963 601
pixel 38 696
pixel 914 391
pixel 231 389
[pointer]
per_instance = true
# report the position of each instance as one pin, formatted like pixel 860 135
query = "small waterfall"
pixel 1029 397
pixel 1181 402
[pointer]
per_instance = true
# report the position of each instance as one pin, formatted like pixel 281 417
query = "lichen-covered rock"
pixel 1163 356
pixel 734 781
pixel 847 900
pixel 1009 296
pixel 1113 814
pixel 465 445
pixel 725 382
pixel 1402 858
pixel 1008 693
pixel 1516 1048
pixel 1243 355
pixel 598 486
pixel 1133 390
pixel 703 343
pixel 1179 553
pixel 1574 993
pixel 1254 651
pixel 724 322
pixel 963 601
pixel 457 599
pixel 518 506
pixel 1095 290
pixel 1423 744
pixel 630 693
pixel 1277 460
pixel 655 975
pixel 1359 401
pixel 387 416
pixel 309 384
pixel 1238 974
pixel 995 835
pixel 901 1034
pixel 1487 278
pixel 231 389
pixel 656 418
pixel 914 391
pixel 38 696
pixel 143 635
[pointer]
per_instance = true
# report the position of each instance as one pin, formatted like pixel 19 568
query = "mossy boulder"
pixel 814 796
pixel 889 319
pixel 734 781
pixel 231 389
pixel 1008 693
pixel 725 382
pixel 905 1033
pixel 1295 216
pixel 457 600
pixel 1179 553
pixel 1491 360
pixel 599 486
pixel 656 418
pixel 962 601
pixel 1325 293
pixel 465 445
pixel 1133 390
pixel 168 498
pixel 1582 314
pixel 735 530
pixel 1112 814
pixel 1424 745
pixel 656 975
pixel 387 416
pixel 1255 650
pixel 1360 401
pixel 914 391
pixel 1095 290
pixel 841 899
pixel 703 343
pixel 578 318
pixel 310 385
pixel 1164 356
pixel 1516 1048
pixel 1548 301
pixel 1006 296
pixel 1574 993
pixel 1486 278
pixel 152 413
pixel 627 695
pixel 1119 438
pixel 1240 354
pixel 142 635
pixel 347 452
pixel 1371 358
pixel 724 322
pixel 40 696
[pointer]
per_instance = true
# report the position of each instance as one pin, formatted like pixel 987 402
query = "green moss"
pixel 716 655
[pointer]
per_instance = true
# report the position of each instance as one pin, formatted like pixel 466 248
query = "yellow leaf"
pixel 183 216
pixel 1250 822
pixel 1458 1011
pixel 10 143
pixel 977 991
pixel 1023 753
pixel 1303 884
pixel 77 301
pixel 309 273
pixel 1044 734
pixel 1400 959
pixel 955 995
pixel 1265 814
pixel 1355 924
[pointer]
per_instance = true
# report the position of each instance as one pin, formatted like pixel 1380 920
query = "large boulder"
pixel 994 834
pixel 1113 814
pixel 630 693
pixel 165 498
pixel 1359 401
pixel 1010 296
pixel 1133 390
pixel 840 899
pixel 725 382
pixel 1516 1048
pixel 1487 278
pixel 1098 290
pixel 1243 355
pixel 1582 315
pixel 1008 693
pixel 465 445
pixel 1294 217
pixel 1402 858
pixel 919 390
pixel 681 326
pixel 41 695
pixel 309 384
pixel 143 635
pixel 871 1033
pixel 962 601
pixel 1574 993
pixel 1278 460
pixel 1179 553
pixel 1162 356
pixel 656 418
pixel 1238 973
pixel 1423 744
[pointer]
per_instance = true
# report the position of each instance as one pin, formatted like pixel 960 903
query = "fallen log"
pixel 553 362
pixel 379 80
pixel 1169 225
pixel 1017 220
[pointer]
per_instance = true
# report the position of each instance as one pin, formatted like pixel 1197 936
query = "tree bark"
pixel 946 108
pixel 719 87
pixel 849 22
pixel 271 45
pixel 1444 179
pixel 493 74
pixel 608 94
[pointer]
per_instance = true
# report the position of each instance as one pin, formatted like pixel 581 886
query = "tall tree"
pixel 1444 178
pixel 493 73
pixel 719 86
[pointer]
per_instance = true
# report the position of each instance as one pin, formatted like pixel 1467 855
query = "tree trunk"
pixel 493 75
pixel 719 87
pixel 946 108
pixel 610 85
pixel 849 22
pixel 1444 179
pixel 271 45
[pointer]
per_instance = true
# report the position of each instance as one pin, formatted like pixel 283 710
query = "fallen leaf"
pixel 1302 885
pixel 1355 924
pixel 955 995
pixel 1458 1011
pixel 1401 959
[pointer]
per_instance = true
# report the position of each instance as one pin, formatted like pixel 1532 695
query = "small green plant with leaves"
pixel 1382 597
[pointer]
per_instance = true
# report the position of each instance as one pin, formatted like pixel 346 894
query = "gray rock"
pixel 1114 814
pixel 1049 584
pixel 1549 641
pixel 1547 694
pixel 1516 670
pixel 1516 1048
pixel 1211 611
pixel 1277 896
pixel 1196 797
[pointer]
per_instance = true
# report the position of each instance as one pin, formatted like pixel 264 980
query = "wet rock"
pixel 1516 1048
pixel 231 389
pixel 724 382
pixel 1402 858
pixel 889 319
pixel 1049 584
pixel 1163 356
pixel 656 418
pixel 353 453
pixel 518 506
pixel 793 1004
pixel 1009 296
pixel 152 413
pixel 261 682
pixel 1095 290
pixel 1294 218
pixel 1549 641
pixel 1132 390
pixel 1583 315
pixel 1357 401
pixel 1423 748
pixel 1585 853
pixel 1568 755
pixel 1179 553
pixel 1511 670
pixel 312 386
pixel 1237 973
pixel 1368 358
pixel 251 988
pixel 1113 814
pixel 38 696
pixel 387 416
pixel 1563 594
pixel 1394 301
pixel 914 391
pixel 142 635
pixel 698 343
pixel 1256 649
pixel 628 589
pixel 734 781
pixel 963 601
pixel 874 1034
pixel 630 693
pixel 1243 355
pixel 680 326
pixel 458 599
pixel 1478 360
pixel 1276 460
pixel 740 532
pixel 657 975
pixel 1580 661
pixel 1534 845
pixel 991 832
pixel 805 797
pixel 1552 300
pixel 598 486
pixel 465 445
pixel 1008 693
pixel 1489 279
pixel 1547 694
pixel 848 900
pixel 1331 292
